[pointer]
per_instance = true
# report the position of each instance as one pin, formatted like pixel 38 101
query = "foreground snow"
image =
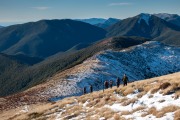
pixel 144 101
pixel 140 100
pixel 147 102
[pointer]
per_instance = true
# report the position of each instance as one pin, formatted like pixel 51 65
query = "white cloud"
pixel 41 8
pixel 119 4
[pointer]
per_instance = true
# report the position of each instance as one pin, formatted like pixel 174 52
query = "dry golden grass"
pixel 116 116
pixel 129 101
pixel 177 94
pixel 154 90
pixel 177 115
pixel 105 112
pixel 147 88
pixel 141 94
pixel 72 111
pixel 138 109
pixel 165 110
pixel 65 102
pixel 93 103
pixel 161 112
pixel 101 103
pixel 126 112
pixel 152 111
pixel 128 90
pixel 134 110
pixel 122 100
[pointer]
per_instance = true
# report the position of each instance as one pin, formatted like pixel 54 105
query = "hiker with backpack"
pixel 117 82
pixel 125 80
pixel 84 90
pixel 111 83
pixel 91 88
pixel 106 84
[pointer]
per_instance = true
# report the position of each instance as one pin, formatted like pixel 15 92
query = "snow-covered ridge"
pixel 144 17
pixel 148 60
pixel 165 15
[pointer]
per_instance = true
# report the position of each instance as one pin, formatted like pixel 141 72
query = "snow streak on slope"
pixel 144 17
pixel 140 62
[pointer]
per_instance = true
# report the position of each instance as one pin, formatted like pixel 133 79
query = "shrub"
pixel 34 115
pixel 161 101
pixel 164 85
pixel 150 96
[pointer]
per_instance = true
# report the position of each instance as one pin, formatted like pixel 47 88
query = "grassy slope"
pixel 74 106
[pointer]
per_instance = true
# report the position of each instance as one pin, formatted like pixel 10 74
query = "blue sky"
pixel 20 11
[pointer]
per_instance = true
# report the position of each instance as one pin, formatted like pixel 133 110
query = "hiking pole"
pixel 103 85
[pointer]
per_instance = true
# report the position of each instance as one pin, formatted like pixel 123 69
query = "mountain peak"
pixel 165 15
pixel 145 17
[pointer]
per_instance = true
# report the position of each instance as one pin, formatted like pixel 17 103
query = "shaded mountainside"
pixel 38 73
pixel 10 69
pixel 148 26
pixel 47 37
pixel 172 18
pixel 25 59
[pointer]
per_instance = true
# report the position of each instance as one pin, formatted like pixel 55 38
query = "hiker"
pixel 125 80
pixel 117 82
pixel 91 88
pixel 111 83
pixel 106 84
pixel 84 90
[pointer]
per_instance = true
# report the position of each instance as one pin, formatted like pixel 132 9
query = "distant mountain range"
pixel 149 26
pixel 100 22
pixel 172 18
pixel 47 37
pixel 92 21
pixel 107 23
pixel 1 26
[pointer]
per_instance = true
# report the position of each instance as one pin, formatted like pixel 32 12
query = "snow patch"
pixel 147 102
pixel 144 17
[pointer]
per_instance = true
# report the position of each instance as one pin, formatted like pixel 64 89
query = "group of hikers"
pixel 108 84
